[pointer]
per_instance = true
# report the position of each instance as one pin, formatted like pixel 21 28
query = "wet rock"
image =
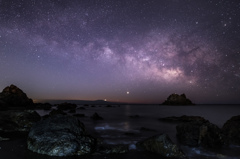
pixel 18 121
pixel 130 134
pixel 232 130
pixel 66 106
pixel 198 133
pixel 12 96
pixel 146 129
pixel 134 116
pixel 72 111
pixel 175 99
pixel 3 138
pixel 44 106
pixel 112 149
pixel 60 135
pixel 161 144
pixel 95 116
pixel 79 115
pixel 183 118
pixel 82 108
pixel 3 106
pixel 57 112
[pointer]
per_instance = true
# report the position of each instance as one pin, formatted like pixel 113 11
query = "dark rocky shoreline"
pixel 61 134
pixel 197 130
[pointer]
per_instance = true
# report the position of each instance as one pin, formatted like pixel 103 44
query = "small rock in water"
pixel 132 147
pixel 95 116
pixel 66 106
pixel 3 139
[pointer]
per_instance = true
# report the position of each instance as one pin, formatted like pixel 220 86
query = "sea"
pixel 128 124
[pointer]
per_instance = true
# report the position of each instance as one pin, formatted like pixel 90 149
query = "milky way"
pixel 128 51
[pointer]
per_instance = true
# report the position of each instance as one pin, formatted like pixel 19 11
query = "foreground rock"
pixel 232 130
pixel 161 144
pixel 112 149
pixel 200 133
pixel 175 99
pixel 60 135
pixel 183 118
pixel 18 121
pixel 12 96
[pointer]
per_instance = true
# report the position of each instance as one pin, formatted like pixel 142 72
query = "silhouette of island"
pixel 175 99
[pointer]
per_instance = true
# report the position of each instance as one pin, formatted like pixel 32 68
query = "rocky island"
pixel 175 99
pixel 12 96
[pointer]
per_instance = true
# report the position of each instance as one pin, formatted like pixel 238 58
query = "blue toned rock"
pixel 162 145
pixel 60 135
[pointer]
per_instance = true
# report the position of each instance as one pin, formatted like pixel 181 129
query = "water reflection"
pixel 127 111
pixel 126 126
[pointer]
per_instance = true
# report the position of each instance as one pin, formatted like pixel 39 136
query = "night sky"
pixel 122 50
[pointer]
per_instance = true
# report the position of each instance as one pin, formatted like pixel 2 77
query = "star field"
pixel 59 49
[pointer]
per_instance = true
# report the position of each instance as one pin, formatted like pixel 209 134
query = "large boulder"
pixel 175 99
pixel 232 130
pixel 161 144
pixel 200 133
pixel 18 121
pixel 12 96
pixel 60 135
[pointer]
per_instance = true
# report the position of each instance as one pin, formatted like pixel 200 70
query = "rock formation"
pixel 95 116
pixel 161 144
pixel 60 135
pixel 18 121
pixel 12 96
pixel 175 99
pixel 232 130
pixel 200 133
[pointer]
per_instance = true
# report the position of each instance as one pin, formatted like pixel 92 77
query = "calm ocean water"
pixel 122 124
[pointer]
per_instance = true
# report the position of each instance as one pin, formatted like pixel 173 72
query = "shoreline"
pixel 17 144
